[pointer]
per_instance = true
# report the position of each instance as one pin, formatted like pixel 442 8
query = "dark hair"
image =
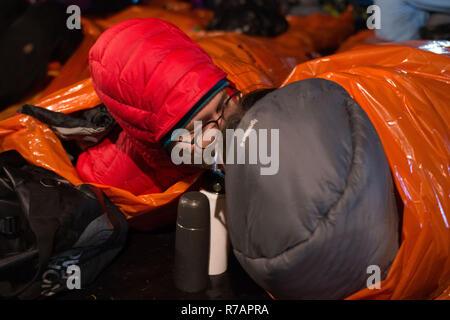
pixel 247 102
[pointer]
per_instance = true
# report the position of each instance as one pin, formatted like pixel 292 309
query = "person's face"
pixel 213 115
pixel 220 108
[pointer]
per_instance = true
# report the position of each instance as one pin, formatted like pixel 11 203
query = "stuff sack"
pixel 53 236
pixel 310 223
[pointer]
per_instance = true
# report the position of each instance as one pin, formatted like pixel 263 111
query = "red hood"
pixel 149 74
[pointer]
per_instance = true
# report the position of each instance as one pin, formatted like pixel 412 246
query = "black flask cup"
pixel 192 243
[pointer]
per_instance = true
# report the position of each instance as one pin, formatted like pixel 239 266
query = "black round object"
pixel 192 243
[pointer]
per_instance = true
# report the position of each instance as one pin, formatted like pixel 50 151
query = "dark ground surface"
pixel 144 271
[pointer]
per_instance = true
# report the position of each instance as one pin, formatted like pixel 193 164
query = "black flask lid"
pixel 193 211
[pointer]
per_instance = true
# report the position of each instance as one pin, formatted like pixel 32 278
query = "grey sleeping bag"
pixel 312 230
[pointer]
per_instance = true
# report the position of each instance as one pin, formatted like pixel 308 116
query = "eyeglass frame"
pixel 216 121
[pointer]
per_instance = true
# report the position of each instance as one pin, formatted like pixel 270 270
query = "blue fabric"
pixel 399 20
pixel 431 5
pixel 402 19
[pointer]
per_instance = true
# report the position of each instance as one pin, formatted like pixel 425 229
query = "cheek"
pixel 233 109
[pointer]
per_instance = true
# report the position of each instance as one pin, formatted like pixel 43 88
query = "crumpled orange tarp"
pixel 406 93
pixel 244 54
pixel 367 38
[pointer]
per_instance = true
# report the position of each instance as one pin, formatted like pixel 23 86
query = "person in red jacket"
pixel 153 79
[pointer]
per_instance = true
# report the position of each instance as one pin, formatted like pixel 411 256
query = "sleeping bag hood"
pixel 150 75
pixel 314 229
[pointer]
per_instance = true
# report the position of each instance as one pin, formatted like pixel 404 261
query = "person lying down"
pixel 311 205
pixel 310 198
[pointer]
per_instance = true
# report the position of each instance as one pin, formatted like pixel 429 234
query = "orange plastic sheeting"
pixel 406 94
pixel 40 146
pixel 359 40
pixel 326 32
pixel 445 295
pixel 274 57
pixel 249 62
pixel 189 21
pixel 367 38
pixel 79 96
pixel 258 62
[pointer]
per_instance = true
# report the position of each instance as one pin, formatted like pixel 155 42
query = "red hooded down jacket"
pixel 149 74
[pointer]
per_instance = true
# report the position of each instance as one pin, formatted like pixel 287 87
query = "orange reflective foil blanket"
pixel 406 93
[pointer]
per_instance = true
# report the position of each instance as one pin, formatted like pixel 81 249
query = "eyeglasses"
pixel 200 137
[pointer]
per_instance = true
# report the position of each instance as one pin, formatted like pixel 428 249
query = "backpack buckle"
pixel 9 226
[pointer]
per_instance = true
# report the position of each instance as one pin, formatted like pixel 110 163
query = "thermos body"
pixel 192 243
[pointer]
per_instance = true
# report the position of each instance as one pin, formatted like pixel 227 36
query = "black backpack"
pixel 252 17
pixel 53 235
pixel 37 36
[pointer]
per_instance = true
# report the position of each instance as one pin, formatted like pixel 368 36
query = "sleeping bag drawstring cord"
pixel 215 169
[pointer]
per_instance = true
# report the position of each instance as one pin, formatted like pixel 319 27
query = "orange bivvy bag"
pixel 405 91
